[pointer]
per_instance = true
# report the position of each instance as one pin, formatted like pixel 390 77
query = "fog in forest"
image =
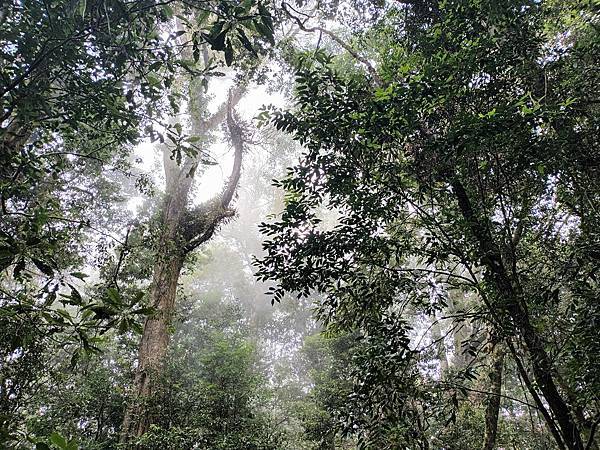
pixel 273 225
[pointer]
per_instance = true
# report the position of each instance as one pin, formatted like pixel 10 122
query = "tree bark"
pixel 163 291
pixel 182 230
pixel 492 408
pixel 509 305
pixel 534 394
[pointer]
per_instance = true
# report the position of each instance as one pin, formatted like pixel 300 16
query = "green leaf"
pixel 44 268
pixel 216 37
pixel 75 295
pixel 384 94
pixel 102 312
pixel 82 7
pixel 265 17
pixel 75 357
pixel 265 31
pixel 153 79
pixel 113 295
pixel 82 276
pixel 228 53
pixel 202 17
pixel 50 298
pixel 541 169
pixel 168 10
pixel 246 42
pixel 19 267
pixel 58 440
pixel 124 326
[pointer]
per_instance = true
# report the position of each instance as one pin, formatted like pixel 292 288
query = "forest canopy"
pixel 300 225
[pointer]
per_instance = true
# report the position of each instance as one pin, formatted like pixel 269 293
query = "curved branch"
pixel 219 207
pixel 235 95
pixel 237 138
pixel 339 41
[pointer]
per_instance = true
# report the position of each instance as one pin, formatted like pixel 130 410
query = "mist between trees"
pixel 299 225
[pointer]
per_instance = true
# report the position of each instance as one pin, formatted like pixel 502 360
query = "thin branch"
pixel 338 40
pixel 508 397
pixel 122 254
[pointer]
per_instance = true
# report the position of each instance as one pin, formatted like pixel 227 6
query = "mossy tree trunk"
pixel 494 388
pixel 183 229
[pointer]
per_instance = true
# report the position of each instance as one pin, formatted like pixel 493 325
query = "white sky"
pixel 211 181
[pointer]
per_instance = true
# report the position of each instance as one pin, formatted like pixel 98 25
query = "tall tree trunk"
pixel 552 426
pixel 542 372
pixel 182 230
pixel 163 291
pixel 492 408
pixel 154 343
pixel 510 307
pixel 586 426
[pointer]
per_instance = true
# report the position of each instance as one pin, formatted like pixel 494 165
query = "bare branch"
pixel 216 210
pixel 237 140
pixel 339 41
pixel 235 95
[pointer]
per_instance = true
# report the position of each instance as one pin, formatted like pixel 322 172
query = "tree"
pixel 80 81
pixel 329 365
pixel 465 168
pixel 181 228
pixel 179 235
pixel 211 393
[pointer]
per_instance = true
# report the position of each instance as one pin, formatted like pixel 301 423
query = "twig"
pixel 338 40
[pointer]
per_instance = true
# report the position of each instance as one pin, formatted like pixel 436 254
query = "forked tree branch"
pixel 235 95
pixel 218 208
pixel 334 37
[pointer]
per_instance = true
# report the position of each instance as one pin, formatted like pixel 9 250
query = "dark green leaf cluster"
pixel 465 169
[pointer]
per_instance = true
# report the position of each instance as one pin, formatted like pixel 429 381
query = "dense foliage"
pixel 81 84
pixel 467 165
pixel 425 271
